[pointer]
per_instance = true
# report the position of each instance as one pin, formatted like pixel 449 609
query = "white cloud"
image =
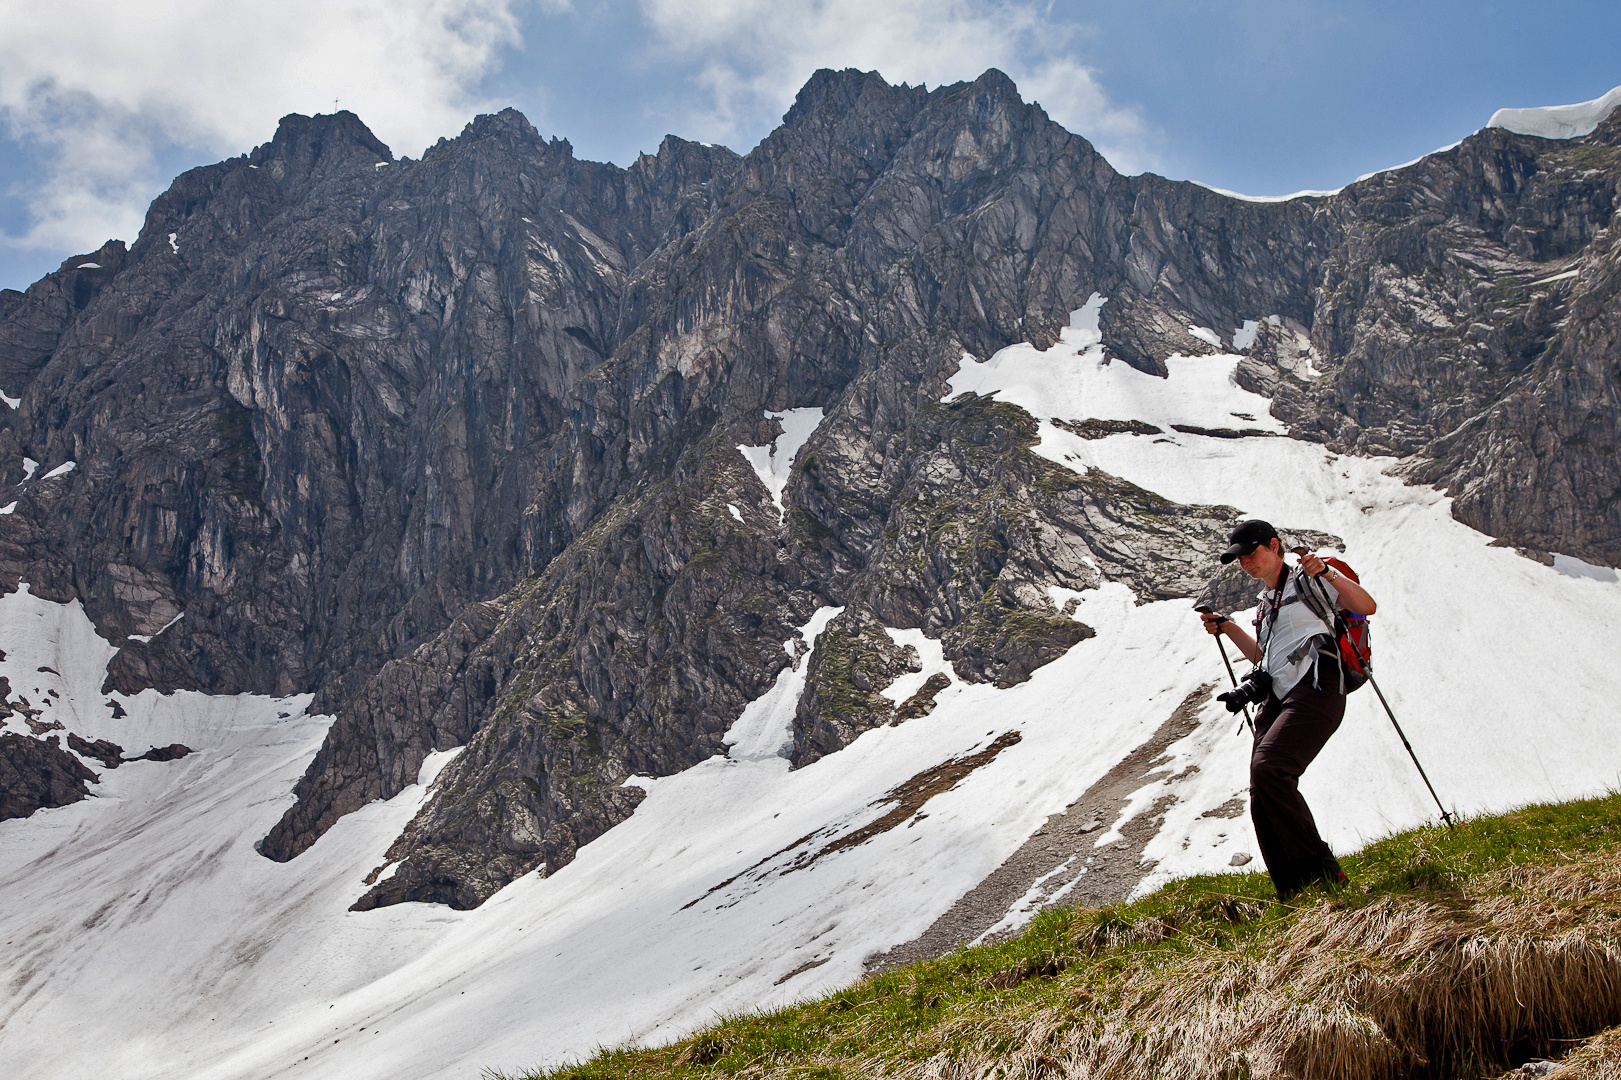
pixel 95 86
pixel 759 53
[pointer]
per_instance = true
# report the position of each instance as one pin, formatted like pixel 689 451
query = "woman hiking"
pixel 1295 650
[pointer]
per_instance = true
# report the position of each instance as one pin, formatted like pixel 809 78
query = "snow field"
pixel 157 943
pixel 1465 639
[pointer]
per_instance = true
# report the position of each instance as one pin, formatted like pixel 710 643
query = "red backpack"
pixel 1351 631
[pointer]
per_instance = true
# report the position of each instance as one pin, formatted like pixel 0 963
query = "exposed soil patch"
pixel 908 799
pixel 801 969
pixel 1058 861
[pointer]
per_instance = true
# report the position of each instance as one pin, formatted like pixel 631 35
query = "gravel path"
pixel 1058 861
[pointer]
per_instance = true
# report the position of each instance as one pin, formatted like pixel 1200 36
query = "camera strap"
pixel 1273 608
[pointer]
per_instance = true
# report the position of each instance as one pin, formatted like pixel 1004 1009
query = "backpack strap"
pixel 1338 628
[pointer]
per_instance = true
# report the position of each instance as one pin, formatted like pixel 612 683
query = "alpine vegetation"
pixel 458 613
pixel 1465 953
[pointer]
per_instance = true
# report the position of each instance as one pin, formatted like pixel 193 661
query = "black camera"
pixel 1251 691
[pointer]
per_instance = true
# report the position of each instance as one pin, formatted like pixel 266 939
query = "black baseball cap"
pixel 1247 537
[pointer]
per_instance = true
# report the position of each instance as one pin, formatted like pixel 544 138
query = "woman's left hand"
pixel 1312 565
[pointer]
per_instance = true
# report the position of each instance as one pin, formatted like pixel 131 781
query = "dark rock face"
pixel 454 442
pixel 1468 316
pixel 632 654
pixel 854 659
pixel 37 774
pixel 309 407
pixel 108 753
pixel 172 752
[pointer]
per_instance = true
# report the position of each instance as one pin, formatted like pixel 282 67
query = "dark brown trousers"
pixel 1288 735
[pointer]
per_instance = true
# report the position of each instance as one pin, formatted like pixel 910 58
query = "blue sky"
pixel 101 105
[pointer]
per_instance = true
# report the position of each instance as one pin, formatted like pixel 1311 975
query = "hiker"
pixel 1300 684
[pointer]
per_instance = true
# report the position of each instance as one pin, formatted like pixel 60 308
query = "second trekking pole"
pixel 1341 634
pixel 1228 664
pixel 1446 817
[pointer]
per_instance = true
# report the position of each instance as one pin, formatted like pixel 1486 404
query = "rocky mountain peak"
pixel 507 132
pixel 325 141
pixel 830 95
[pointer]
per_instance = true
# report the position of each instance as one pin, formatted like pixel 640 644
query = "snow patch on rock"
pixel 1270 198
pixel 932 655
pixel 765 730
pixel 1075 381
pixel 1558 121
pixel 773 464
pixel 1244 336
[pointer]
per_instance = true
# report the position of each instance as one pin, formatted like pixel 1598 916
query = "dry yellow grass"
pixel 1459 953
pixel 1396 988
pixel 1598 1059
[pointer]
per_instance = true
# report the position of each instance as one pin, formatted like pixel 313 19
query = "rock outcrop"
pixel 37 774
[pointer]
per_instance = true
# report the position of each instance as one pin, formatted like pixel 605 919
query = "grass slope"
pixel 1453 954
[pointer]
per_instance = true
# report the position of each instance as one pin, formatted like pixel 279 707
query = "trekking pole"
pixel 1228 664
pixel 1446 817
pixel 1342 631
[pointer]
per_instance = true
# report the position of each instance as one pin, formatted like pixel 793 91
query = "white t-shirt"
pixel 1288 651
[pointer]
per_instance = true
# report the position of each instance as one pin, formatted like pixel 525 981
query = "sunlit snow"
pixel 1558 121
pixel 773 463
pixel 61 470
pixel 1556 277
pixel 1244 336
pixel 1076 380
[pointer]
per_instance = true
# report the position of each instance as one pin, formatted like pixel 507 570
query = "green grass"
pixel 1074 959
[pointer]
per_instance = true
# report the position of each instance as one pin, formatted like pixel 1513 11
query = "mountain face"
pixel 455 443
